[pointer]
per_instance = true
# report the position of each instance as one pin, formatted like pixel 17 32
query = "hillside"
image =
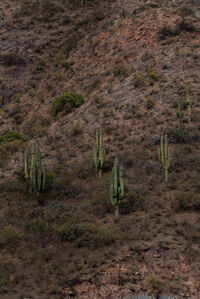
pixel 134 65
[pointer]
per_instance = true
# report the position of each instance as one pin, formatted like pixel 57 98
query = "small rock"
pixel 156 255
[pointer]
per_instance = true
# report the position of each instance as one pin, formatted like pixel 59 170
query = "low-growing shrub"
pixel 138 79
pixel 187 201
pixel 66 102
pixel 11 135
pixel 178 136
pixel 10 142
pixel 85 169
pixel 36 226
pixel 12 59
pixel 87 234
pixel 145 7
pixel 10 236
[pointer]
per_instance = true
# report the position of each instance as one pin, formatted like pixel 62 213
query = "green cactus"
pixel 188 103
pixel 117 186
pixel 164 155
pixel 179 113
pixel 99 153
pixel 26 176
pixel 34 172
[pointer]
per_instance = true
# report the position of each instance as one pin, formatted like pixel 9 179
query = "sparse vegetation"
pixel 179 113
pixel 132 66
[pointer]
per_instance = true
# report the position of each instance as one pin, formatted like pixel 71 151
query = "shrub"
pixel 178 136
pixel 10 136
pixel 153 76
pixel 85 169
pixel 83 232
pixel 9 236
pixel 138 79
pixel 12 59
pixel 86 234
pixel 10 142
pixel 36 226
pixel 145 7
pixel 66 102
pixel 187 201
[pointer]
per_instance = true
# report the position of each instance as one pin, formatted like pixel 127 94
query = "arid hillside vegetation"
pixel 82 84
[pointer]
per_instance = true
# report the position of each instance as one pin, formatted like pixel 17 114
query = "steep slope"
pixel 131 61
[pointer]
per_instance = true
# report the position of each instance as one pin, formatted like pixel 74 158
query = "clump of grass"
pixel 60 60
pixel 153 75
pixel 149 103
pixel 10 236
pixel 66 102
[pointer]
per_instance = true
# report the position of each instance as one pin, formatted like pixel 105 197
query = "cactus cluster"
pixel 164 155
pixel 117 186
pixel 99 152
pixel 34 172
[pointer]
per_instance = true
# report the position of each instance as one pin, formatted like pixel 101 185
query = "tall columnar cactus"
pixel 34 172
pixel 99 152
pixel 117 186
pixel 164 155
pixel 188 103
pixel 179 113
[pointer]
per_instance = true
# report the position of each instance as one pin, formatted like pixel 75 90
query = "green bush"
pixel 10 136
pixel 66 102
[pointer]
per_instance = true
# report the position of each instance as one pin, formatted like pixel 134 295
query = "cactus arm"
pixel 43 177
pixel 162 150
pixel 121 182
pixel 26 175
pixel 164 155
pixel 188 103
